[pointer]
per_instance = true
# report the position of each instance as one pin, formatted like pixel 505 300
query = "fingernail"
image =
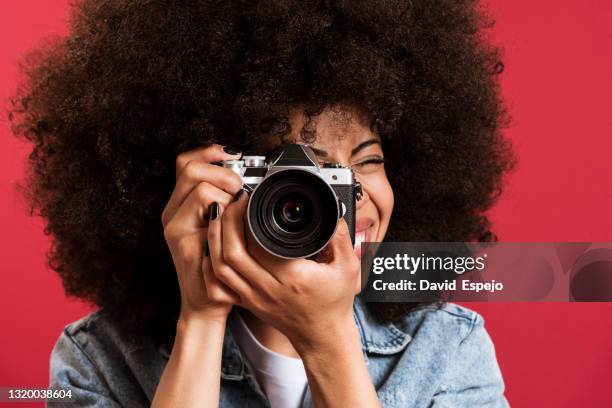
pixel 238 195
pixel 214 211
pixel 231 150
pixel 206 250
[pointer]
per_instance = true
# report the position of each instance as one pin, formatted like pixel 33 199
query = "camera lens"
pixel 293 213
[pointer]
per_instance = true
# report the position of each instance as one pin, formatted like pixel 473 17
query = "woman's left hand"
pixel 310 302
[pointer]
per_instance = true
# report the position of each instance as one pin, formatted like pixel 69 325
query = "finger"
pixel 195 173
pixel 235 251
pixel 216 290
pixel 340 247
pixel 223 271
pixel 208 154
pixel 193 213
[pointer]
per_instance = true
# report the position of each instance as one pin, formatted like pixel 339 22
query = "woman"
pixel 127 115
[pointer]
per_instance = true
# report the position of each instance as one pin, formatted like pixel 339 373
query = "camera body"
pixel 295 204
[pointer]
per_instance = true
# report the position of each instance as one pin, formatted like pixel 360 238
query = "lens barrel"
pixel 293 213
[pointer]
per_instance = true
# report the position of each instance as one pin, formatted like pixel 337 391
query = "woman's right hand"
pixel 185 218
pixel 191 376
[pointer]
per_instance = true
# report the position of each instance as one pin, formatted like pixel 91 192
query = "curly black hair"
pixel 136 82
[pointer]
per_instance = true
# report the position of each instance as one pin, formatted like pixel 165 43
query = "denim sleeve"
pixel 473 378
pixel 72 369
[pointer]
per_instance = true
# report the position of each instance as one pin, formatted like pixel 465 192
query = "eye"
pixel 368 164
pixel 374 160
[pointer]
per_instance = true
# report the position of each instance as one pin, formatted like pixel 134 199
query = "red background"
pixel 558 86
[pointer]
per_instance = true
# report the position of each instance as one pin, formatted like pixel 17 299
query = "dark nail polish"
pixel 214 211
pixel 238 195
pixel 231 150
pixel 206 250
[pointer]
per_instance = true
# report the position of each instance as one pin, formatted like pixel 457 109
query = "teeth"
pixel 359 238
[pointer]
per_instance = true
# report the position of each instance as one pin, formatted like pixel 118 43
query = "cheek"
pixel 381 194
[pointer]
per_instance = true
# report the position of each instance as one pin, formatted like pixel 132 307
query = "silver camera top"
pixel 251 168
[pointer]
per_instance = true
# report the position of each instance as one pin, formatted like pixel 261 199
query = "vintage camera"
pixel 295 204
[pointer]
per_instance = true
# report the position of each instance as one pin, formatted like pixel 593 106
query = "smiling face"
pixel 345 137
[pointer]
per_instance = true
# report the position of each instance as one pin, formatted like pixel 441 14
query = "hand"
pixel 310 302
pixel 185 221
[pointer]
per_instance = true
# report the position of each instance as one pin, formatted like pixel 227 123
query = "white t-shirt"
pixel 283 379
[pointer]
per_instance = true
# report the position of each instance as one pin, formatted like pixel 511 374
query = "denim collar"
pixel 376 338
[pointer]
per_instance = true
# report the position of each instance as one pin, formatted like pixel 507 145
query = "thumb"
pixel 340 246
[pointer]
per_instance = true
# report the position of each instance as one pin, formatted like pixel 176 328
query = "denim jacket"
pixel 433 357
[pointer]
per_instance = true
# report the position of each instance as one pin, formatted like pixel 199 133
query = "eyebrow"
pixel 360 147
